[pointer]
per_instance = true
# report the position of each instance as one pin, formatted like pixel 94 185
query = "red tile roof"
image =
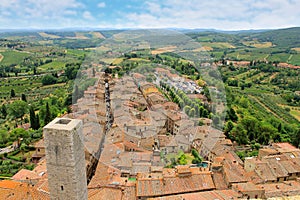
pixel 150 187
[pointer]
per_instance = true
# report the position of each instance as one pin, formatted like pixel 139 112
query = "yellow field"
pixel 43 34
pixel 78 36
pixel 295 111
pixel 296 49
pixel 296 114
pixel 1 57
pixel 108 60
pixel 139 59
pixel 98 35
pixel 117 61
pixel 258 44
pixel 163 50
pixel 204 48
pixel 218 45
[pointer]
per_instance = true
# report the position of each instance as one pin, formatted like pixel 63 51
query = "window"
pixel 62 188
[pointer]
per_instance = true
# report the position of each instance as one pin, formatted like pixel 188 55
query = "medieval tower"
pixel 65 159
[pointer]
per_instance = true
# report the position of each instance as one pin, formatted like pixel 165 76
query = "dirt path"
pixel 291 56
pixel 273 76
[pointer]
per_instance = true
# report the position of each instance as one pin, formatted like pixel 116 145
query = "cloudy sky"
pixel 218 14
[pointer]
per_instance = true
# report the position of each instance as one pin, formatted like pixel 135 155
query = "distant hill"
pixel 289 37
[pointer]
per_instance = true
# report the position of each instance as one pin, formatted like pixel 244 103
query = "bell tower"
pixel 65 159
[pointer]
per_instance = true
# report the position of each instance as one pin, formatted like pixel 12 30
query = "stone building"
pixel 65 159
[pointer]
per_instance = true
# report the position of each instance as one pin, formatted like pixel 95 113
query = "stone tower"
pixel 65 159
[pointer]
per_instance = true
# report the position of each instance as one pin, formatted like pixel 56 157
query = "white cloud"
pixel 226 14
pixel 87 15
pixel 42 13
pixel 229 14
pixel 101 5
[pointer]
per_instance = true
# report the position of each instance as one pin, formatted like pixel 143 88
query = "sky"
pixel 207 14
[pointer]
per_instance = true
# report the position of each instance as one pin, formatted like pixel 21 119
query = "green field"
pixel 295 60
pixel 13 57
pixel 55 65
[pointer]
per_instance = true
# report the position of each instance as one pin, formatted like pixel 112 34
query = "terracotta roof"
pixel 275 165
pixel 40 144
pixel 219 181
pixel 174 185
pixel 174 116
pixel 287 188
pixel 25 174
pixel 284 146
pixel 7 184
pixel 246 187
pixel 103 175
pixel 233 171
pixel 11 190
pixel 292 165
pixel 106 193
pixel 208 195
pixel 265 172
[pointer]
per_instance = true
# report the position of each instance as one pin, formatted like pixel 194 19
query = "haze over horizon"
pixel 118 14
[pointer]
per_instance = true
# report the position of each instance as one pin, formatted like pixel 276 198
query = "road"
pixel 6 150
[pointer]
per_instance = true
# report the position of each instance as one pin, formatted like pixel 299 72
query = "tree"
pixel 251 125
pixel 187 109
pixel 23 147
pixel 23 98
pixel 297 138
pixel 17 109
pixel 34 119
pixel 192 112
pixel 3 136
pixel 182 159
pixel 12 93
pixel 47 118
pixel 232 115
pixel 228 127
pixel 38 125
pixel 197 158
pixel 3 111
pixel 240 134
pixel 49 80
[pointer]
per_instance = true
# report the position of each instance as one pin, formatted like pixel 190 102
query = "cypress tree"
pixel 12 93
pixel 4 111
pixel 38 125
pixel 47 115
pixel 24 98
pixel 32 118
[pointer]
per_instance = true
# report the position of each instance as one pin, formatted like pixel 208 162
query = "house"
pixel 39 151
pixel 181 125
pixel 11 190
pixel 170 106
pixel 174 117
pixel 249 190
pixel 176 182
pixel 207 195
pixel 284 189
pixel 148 88
pixel 233 172
pixel 280 162
pixel 155 98
pixel 26 176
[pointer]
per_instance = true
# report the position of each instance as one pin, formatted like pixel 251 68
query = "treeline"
pixel 193 108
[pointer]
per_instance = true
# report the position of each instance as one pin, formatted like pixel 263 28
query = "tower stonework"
pixel 65 159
